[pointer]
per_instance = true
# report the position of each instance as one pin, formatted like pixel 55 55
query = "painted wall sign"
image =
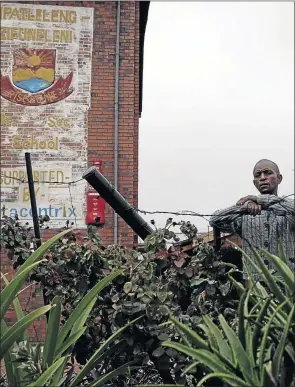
pixel 46 56
pixel 34 71
pixel 10 176
pixel 56 212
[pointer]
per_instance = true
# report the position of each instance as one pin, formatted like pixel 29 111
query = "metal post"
pixel 217 239
pixel 34 213
pixel 33 199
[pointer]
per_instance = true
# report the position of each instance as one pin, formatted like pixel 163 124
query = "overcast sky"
pixel 218 95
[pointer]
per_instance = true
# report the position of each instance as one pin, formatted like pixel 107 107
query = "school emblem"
pixel 33 81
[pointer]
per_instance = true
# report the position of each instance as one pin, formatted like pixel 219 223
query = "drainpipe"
pixel 116 129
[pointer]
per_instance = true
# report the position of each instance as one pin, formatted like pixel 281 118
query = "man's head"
pixel 267 177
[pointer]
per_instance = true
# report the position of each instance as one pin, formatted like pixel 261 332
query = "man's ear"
pixel 280 178
pixel 254 183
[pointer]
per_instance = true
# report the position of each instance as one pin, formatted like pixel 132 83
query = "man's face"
pixel 266 178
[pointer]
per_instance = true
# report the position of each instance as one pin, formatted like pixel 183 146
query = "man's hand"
pixel 245 199
pixel 253 208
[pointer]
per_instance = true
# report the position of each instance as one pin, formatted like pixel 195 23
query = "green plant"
pixel 45 364
pixel 190 283
pixel 18 239
pixel 8 295
pixel 257 350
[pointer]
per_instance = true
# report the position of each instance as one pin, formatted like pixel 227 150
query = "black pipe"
pixel 117 202
pixel 35 214
pixel 33 199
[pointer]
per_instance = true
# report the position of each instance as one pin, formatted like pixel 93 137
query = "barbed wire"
pixel 146 212
pixel 197 214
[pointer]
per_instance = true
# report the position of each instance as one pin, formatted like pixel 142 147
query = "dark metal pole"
pixel 217 239
pixel 34 213
pixel 117 202
pixel 33 199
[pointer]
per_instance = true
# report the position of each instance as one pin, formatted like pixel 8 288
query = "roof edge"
pixel 143 18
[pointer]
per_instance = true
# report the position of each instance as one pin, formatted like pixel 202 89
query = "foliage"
pixel 222 333
pixel 257 349
pixel 191 284
pixel 45 364
pixel 17 239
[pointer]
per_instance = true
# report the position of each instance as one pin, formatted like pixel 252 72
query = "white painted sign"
pixel 46 57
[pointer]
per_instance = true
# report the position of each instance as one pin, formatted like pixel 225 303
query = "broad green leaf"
pixel 107 353
pixel 281 252
pixel 10 291
pixel 268 379
pixel 262 270
pixel 18 328
pixel 19 312
pixel 281 317
pixel 81 308
pixel 241 321
pixel 271 282
pixel 184 338
pixel 211 338
pixel 264 293
pixel 290 351
pixel 190 367
pixel 254 285
pixel 283 284
pixel 283 270
pixel 69 342
pixel 277 358
pixel 230 379
pixel 257 328
pixel 79 324
pixel 249 348
pixel 223 346
pixel 58 375
pixel 209 359
pixel 92 361
pixel 239 287
pixel 256 307
pixel 250 274
pixel 10 370
pixel 240 353
pixel 261 358
pixel 46 375
pixel 82 319
pixel 12 374
pixel 52 333
pixel 37 254
pixel 37 352
pixel 190 334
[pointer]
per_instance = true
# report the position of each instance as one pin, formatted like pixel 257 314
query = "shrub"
pixel 258 349
pixel 190 284
pixel 45 364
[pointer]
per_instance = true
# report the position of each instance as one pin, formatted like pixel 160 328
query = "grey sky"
pixel 218 96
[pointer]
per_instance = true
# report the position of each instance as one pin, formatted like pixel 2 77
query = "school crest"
pixel 33 81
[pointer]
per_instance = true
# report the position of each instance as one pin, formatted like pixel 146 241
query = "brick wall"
pixel 101 114
pixel 100 121
pixel 100 118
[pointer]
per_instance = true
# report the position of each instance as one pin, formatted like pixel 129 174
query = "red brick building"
pixel 71 92
pixel 104 99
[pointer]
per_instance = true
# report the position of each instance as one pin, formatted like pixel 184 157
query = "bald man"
pixel 260 220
